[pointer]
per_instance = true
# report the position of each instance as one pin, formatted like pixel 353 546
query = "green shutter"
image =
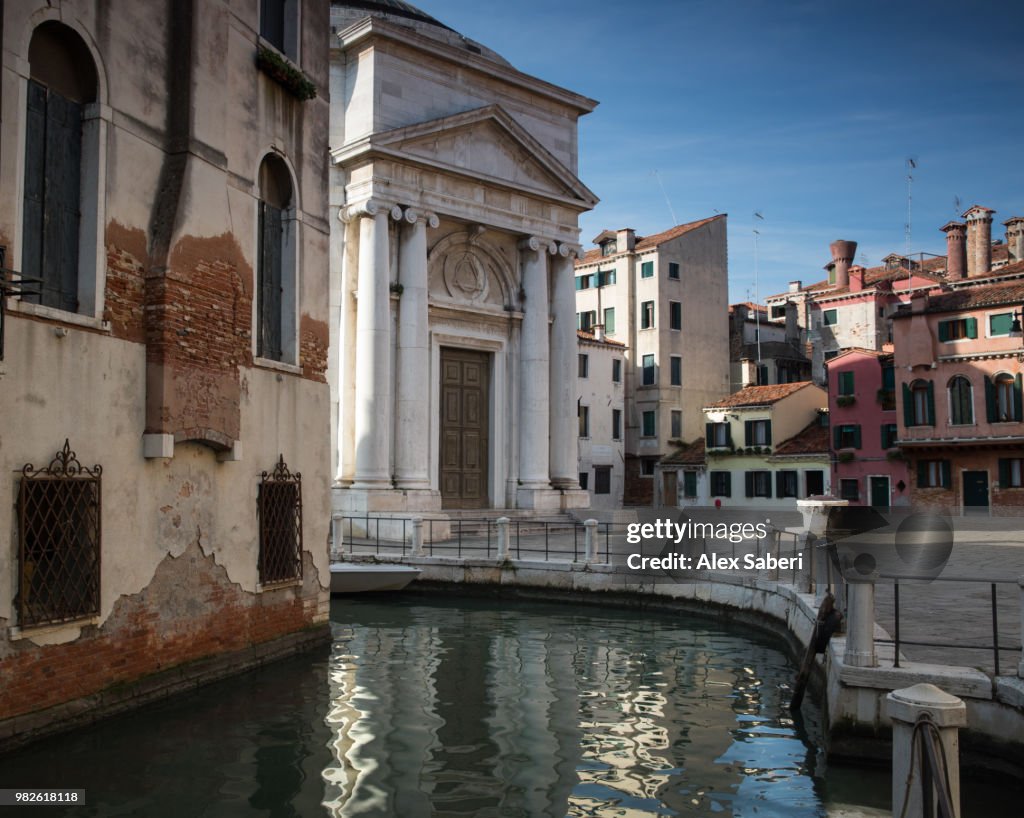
pixel 944 330
pixel 749 480
pixel 647 269
pixel 728 484
pixel 931 403
pixel 768 432
pixel 837 436
pixel 748 434
pixel 922 473
pixel 780 489
pixel 908 406
pixel 769 488
pixel 991 401
pixel 1004 473
pixel 728 434
pixel 1000 324
pixel 609 320
pixel 945 471
pixel 709 434
pixel 1018 409
pixel 972 327
pixel 856 437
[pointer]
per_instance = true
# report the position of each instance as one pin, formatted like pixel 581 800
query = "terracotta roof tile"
pixel 986 295
pixel 650 242
pixel 589 337
pixel 689 454
pixel 812 439
pixel 759 395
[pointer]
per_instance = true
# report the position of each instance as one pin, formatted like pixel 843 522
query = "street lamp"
pixel 1015 327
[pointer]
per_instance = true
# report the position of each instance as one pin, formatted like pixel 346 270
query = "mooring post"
pixel 860 628
pixel 1020 582
pixel 589 541
pixel 337 539
pixel 417 536
pixel 502 523
pixel 925 749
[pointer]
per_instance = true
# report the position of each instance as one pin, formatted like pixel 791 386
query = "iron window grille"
pixel 59 541
pixel 279 507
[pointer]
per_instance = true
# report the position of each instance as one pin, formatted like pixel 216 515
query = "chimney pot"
pixel 1015 238
pixel 979 240
pixel 626 240
pixel 843 253
pixel 856 278
pixel 598 332
pixel 956 249
pixel 795 286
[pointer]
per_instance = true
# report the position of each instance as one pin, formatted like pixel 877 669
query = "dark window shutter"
pixel 768 432
pixel 944 330
pixel 1004 473
pixel 709 434
pixel 61 208
pixel 991 401
pixel 931 403
pixel 945 471
pixel 908 406
pixel 268 339
pixel 35 181
pixel 727 484
pixel 780 488
pixel 972 327
pixel 856 437
pixel 749 479
pixel 768 487
pixel 728 434
pixel 837 437
pixel 748 434
pixel 1018 408
pixel 922 473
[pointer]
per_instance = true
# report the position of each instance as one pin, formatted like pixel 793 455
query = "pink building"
pixel 958 380
pixel 867 466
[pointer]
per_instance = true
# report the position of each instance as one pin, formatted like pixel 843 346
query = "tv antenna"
pixel 958 207
pixel 757 296
pixel 661 184
pixel 911 167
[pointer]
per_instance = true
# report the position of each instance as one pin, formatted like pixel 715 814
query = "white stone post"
pixel 412 432
pixel 1020 582
pixel 337 537
pixel 564 349
pixel 417 536
pixel 947 713
pixel 533 366
pixel 590 541
pixel 373 358
pixel 860 630
pixel 502 523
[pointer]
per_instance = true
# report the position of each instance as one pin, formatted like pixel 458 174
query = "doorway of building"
pixel 465 398
pixel 975 491
pixel 669 488
pixel 880 492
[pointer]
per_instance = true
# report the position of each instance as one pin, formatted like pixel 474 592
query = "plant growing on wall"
pixel 845 400
pixel 845 457
pixel 285 74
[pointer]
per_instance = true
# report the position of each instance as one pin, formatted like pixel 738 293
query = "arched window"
pixel 1006 398
pixel 961 401
pixel 919 403
pixel 275 264
pixel 58 160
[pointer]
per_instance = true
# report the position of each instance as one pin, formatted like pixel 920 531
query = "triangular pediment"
pixel 487 144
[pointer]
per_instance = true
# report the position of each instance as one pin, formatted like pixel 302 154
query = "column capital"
pixel 567 250
pixel 369 208
pixel 538 244
pixel 412 215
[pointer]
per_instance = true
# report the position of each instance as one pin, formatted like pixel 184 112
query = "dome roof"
pixel 347 12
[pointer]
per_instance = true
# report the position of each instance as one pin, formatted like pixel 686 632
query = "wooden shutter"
pixel 856 436
pixel 727 484
pixel 1018 409
pixel 728 434
pixel 768 486
pixel 931 403
pixel 749 479
pixel 991 401
pixel 837 437
pixel 1004 473
pixel 943 330
pixel 61 206
pixel 972 327
pixel 709 434
pixel 780 489
pixel 945 473
pixel 768 432
pixel 748 434
pixel 922 473
pixel 268 338
pixel 35 181
pixel 908 406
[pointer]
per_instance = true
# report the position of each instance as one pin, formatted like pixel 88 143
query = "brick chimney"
pixel 979 240
pixel 956 249
pixel 1015 237
pixel 625 240
pixel 842 254
pixel 856 278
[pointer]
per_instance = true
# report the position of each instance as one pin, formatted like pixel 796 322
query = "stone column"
pixel 860 629
pixel 533 368
pixel 373 370
pixel 564 349
pixel 412 424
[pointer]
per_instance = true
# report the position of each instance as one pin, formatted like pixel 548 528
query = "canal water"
pixel 426 706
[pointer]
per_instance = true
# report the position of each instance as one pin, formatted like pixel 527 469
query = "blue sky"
pixel 803 111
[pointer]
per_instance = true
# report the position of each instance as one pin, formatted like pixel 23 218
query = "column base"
pixel 575 498
pixel 357 499
pixel 545 499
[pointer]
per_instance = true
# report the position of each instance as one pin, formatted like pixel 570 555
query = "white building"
pixel 600 407
pixel 665 297
pixel 452 325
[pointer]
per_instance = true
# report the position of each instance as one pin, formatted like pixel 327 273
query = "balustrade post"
pixel 502 523
pixel 590 541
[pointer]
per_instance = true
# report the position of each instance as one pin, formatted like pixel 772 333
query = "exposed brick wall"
pixel 124 302
pixel 637 490
pixel 314 337
pixel 189 611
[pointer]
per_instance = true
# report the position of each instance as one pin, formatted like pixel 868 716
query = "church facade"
pixel 453 177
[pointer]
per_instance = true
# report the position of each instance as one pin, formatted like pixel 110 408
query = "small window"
pixel 888 377
pixel 602 479
pixel 758 432
pixel 934 474
pixel 675 315
pixel 647 315
pixel 786 483
pixel 584 419
pixel 616 370
pixel 847 436
pixel 1000 324
pixel 279 509
pixel 845 383
pixel 647 465
pixel 609 248
pixel 814 482
pixel 605 278
pixel 673 270
pixel 689 484
pixel 958 329
pixel 717 435
pixel 677 423
pixel 583 282
pixel 609 320
pixel 889 433
pixel 649 428
pixel 279 25
pixel 583 365
pixel 849 489
pixel 616 424
pixel 829 317
pixel 648 371
pixel 1011 473
pixel 1004 398
pixel 676 370
pixel 721 483
pixel 830 354
pixel 275 264
pixel 961 401
pixel 762 375
pixel 779 311
pixel 584 480
pixel 647 269
pixel 919 403
pixel 759 483
pixel 586 320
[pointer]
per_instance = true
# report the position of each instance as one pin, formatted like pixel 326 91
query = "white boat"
pixel 354 578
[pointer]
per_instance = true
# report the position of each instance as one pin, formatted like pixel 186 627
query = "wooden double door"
pixel 465 404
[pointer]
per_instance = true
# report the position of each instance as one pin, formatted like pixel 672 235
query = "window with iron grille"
pixel 59 541
pixel 279 506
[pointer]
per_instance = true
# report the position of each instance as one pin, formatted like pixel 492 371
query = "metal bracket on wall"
pixel 13 283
